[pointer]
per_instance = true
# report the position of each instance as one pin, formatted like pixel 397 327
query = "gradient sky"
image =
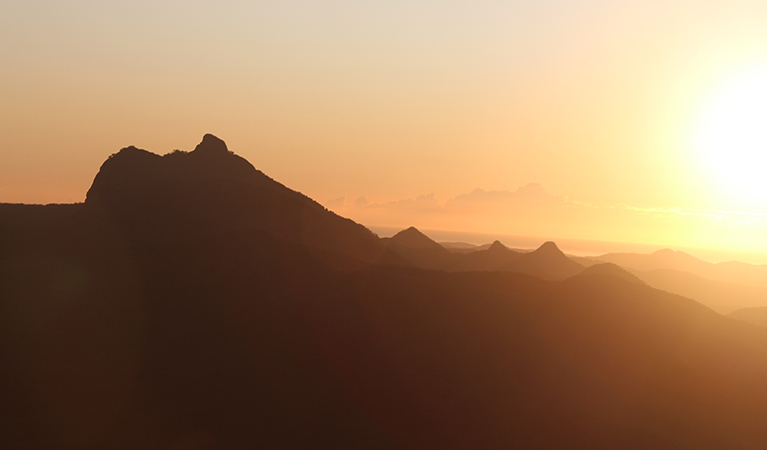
pixel 598 102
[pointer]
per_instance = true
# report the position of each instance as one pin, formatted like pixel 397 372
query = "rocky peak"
pixel 211 145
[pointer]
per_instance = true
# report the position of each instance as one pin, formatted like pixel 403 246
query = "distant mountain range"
pixel 193 302
pixel 723 287
pixel 755 315
pixel 547 262
pixel 727 272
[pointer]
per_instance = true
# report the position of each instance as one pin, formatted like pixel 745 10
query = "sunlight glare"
pixel 731 137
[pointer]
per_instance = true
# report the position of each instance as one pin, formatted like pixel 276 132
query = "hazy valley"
pixel 193 302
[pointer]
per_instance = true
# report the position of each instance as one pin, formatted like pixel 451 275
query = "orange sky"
pixel 596 101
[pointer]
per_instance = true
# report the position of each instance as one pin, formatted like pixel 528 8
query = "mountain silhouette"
pixel 723 297
pixel 724 287
pixel 661 259
pixel 418 249
pixel 495 257
pixel 193 302
pixel 728 272
pixel 497 247
pixel 611 270
pixel 547 262
pixel 754 315
pixel 217 191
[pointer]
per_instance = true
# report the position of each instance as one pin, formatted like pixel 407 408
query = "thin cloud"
pixel 531 210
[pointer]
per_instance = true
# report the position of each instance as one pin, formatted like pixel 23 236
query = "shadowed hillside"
pixel 212 190
pixel 177 310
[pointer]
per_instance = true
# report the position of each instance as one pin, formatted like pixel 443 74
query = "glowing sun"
pixel 731 136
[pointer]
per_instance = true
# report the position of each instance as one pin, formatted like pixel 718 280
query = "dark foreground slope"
pixel 236 338
pixel 210 190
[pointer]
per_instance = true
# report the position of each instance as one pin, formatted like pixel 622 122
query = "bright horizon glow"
pixel 731 136
pixel 389 102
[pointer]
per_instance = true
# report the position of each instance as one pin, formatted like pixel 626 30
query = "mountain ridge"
pixel 213 188
pixel 142 325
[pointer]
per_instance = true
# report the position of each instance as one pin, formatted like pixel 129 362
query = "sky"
pixel 629 121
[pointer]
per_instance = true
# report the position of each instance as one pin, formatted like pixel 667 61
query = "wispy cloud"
pixel 532 210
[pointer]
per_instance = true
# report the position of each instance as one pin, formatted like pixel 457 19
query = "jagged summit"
pixel 132 150
pixel 130 156
pixel 132 170
pixel 211 145
pixel 211 188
